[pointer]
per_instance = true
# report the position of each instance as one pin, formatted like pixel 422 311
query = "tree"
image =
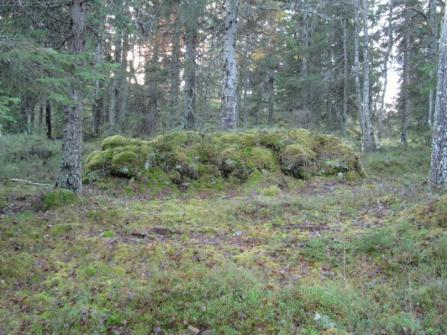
pixel 190 71
pixel 433 52
pixel 229 111
pixel 438 169
pixel 363 97
pixel 174 71
pixel 70 172
pixel 386 58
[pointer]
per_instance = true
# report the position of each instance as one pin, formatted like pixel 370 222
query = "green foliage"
pixel 271 191
pixel 59 198
pixel 7 104
pixel 375 242
pixel 33 157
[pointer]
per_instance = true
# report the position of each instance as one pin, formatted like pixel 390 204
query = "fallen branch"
pixel 24 181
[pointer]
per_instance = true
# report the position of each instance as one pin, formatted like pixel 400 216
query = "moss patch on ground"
pixel 192 157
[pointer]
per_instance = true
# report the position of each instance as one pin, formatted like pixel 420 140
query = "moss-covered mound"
pixel 183 157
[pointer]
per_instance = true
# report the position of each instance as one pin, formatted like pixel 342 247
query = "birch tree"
pixel 229 92
pixel 438 169
pixel 405 113
pixel 363 96
pixel 389 49
pixel 433 53
pixel 344 116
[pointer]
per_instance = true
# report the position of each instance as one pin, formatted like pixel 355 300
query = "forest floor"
pixel 278 256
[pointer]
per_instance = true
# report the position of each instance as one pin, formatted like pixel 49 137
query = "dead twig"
pixel 29 182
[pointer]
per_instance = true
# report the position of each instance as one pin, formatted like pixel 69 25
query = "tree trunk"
pixel 190 76
pixel 381 116
pixel 41 108
pixel 70 173
pixel 438 169
pixel 368 143
pixel 115 88
pixel 344 115
pixel 152 78
pixel 174 76
pixel 123 84
pixel 98 103
pixel 433 53
pixel 406 90
pixel 358 90
pixel 112 105
pixel 97 109
pixel 305 70
pixel 28 111
pixel 48 120
pixel 271 95
pixel 229 99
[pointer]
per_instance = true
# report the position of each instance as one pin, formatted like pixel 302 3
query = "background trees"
pixel 150 67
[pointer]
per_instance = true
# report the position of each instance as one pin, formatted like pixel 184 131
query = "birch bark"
pixel 229 94
pixel 438 169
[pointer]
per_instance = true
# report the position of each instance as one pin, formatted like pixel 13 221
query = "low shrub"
pixel 59 198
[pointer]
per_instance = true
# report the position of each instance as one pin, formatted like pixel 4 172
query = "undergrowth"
pixel 273 255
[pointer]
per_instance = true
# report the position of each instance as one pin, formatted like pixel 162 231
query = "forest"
pixel 202 167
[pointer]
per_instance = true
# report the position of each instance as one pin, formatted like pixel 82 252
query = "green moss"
pixel 244 139
pixel 233 164
pixel 191 156
pixel 336 157
pixel 99 161
pixel 207 152
pixel 125 164
pixel 433 214
pixel 18 266
pixel 298 161
pixel 87 272
pixel 209 171
pixel 108 234
pixel 114 141
pixel 169 142
pixel 259 158
pixel 271 191
pixel 59 198
pixel 61 229
pixel 301 136
pixel 276 139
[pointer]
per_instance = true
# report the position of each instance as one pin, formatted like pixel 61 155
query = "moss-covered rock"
pixel 123 164
pixel 298 160
pixel 99 161
pixel 115 141
pixel 187 157
pixel 336 157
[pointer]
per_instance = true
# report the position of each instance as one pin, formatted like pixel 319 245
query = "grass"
pixel 272 256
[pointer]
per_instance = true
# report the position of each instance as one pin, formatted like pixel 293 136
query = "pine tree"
pixel 70 173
